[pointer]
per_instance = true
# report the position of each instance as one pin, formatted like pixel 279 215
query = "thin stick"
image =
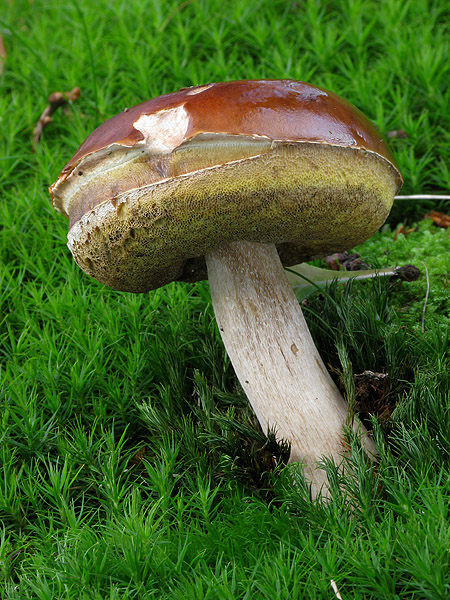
pixel 90 50
pixel 55 100
pixel 173 13
pixel 423 197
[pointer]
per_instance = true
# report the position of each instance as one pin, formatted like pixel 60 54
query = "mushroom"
pixel 237 179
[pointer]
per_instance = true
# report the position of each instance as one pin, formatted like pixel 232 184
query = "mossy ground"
pixel 426 246
pixel 130 463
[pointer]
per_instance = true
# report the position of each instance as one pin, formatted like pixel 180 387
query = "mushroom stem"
pixel 274 356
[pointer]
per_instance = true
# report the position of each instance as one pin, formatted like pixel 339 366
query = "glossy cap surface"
pixel 259 160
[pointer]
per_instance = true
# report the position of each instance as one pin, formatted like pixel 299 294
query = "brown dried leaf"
pixel 439 219
pixel 402 230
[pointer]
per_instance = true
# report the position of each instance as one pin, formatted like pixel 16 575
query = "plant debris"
pixel 405 231
pixel 55 100
pixel 335 589
pixel 372 391
pixel 397 133
pixel 406 273
pixel 345 261
pixel 438 218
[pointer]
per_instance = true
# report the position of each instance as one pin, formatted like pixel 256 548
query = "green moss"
pixel 428 248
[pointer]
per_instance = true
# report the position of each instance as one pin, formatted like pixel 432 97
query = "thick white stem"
pixel 274 356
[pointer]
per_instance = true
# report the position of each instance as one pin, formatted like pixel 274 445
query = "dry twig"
pixel 55 100
pixel 423 197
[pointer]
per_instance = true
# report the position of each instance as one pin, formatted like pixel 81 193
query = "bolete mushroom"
pixel 237 178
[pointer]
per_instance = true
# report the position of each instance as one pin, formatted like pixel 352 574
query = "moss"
pixel 428 248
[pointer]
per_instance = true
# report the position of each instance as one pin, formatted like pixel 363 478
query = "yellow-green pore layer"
pixel 309 199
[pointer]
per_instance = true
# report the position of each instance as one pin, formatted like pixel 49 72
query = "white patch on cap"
pixel 198 90
pixel 164 130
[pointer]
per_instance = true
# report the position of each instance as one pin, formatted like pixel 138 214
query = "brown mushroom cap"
pixel 278 161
